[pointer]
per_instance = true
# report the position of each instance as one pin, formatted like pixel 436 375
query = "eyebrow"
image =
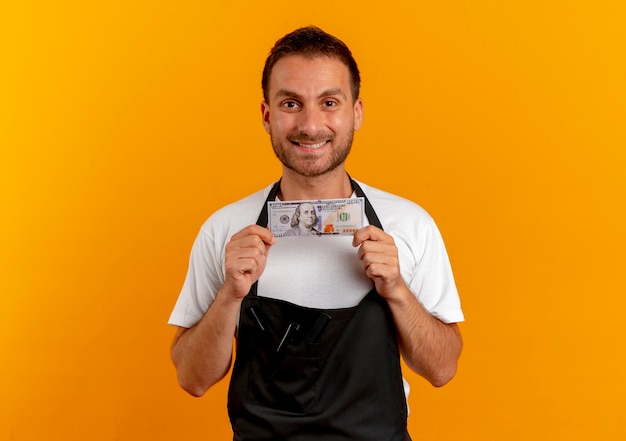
pixel 329 92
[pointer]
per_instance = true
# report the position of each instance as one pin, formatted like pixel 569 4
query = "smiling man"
pixel 320 321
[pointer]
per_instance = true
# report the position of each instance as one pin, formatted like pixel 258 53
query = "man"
pixel 317 349
pixel 303 221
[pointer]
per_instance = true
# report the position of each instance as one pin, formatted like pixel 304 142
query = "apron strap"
pixel 369 210
pixel 262 220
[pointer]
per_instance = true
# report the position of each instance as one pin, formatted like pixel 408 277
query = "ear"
pixel 358 114
pixel 265 114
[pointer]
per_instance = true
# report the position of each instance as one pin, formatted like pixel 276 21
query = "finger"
pixel 236 253
pixel 242 261
pixel 382 270
pixel 265 234
pixel 372 246
pixel 255 230
pixel 387 258
pixel 249 241
pixel 369 232
pixel 243 265
pixel 374 270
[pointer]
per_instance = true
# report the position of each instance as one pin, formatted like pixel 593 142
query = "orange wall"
pixel 123 125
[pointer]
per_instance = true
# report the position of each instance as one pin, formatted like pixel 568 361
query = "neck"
pixel 332 185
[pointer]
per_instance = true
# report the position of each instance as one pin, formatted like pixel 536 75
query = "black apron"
pixel 306 374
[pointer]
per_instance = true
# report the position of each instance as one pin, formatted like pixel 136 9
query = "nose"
pixel 310 120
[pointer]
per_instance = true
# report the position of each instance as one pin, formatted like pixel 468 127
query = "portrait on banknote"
pixel 304 221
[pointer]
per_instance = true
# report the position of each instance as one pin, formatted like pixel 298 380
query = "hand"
pixel 246 256
pixel 378 252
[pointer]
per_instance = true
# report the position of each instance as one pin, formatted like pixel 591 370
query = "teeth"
pixel 312 146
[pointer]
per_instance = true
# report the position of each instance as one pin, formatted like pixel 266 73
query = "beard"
pixel 312 165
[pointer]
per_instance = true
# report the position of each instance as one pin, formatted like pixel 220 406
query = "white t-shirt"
pixel 322 271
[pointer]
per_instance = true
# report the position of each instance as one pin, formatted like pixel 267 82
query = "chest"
pixel 316 272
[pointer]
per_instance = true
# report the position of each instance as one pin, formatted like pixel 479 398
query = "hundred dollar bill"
pixel 309 218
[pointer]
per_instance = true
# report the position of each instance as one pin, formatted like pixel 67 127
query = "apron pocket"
pixel 284 380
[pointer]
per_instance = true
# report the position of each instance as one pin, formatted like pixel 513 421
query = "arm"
pixel 202 354
pixel 429 347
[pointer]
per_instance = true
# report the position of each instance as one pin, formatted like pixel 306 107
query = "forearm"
pixel 429 347
pixel 202 354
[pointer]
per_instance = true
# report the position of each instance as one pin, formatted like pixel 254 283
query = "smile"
pixel 311 146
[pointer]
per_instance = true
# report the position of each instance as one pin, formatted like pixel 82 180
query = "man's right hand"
pixel 246 256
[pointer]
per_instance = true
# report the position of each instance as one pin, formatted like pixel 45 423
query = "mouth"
pixel 310 145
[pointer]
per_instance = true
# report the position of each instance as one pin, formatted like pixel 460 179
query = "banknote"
pixel 307 218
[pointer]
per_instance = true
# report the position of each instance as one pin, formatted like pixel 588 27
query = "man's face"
pixel 311 115
pixel 307 215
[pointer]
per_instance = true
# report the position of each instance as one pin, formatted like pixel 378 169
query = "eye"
pixel 330 103
pixel 290 104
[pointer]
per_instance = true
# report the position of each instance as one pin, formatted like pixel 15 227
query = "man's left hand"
pixel 379 254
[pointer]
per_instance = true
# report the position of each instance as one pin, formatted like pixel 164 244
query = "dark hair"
pixel 311 42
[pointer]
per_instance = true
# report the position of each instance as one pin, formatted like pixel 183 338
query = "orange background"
pixel 123 125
